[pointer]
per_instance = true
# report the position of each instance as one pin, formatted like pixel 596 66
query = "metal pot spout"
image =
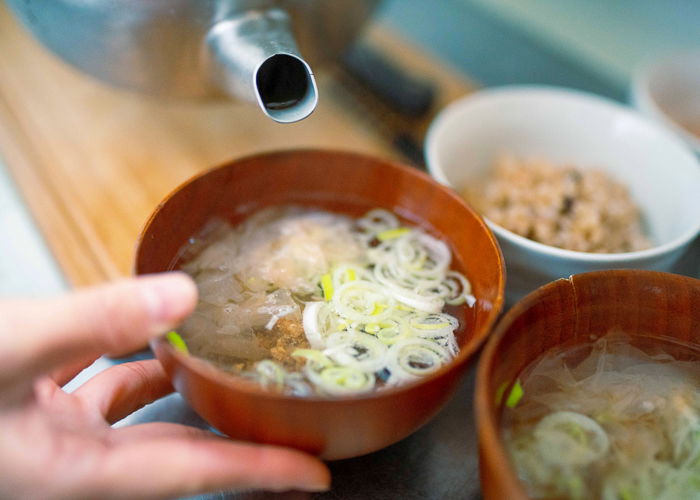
pixel 254 57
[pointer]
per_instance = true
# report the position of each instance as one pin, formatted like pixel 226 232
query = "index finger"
pixel 185 465
pixel 42 335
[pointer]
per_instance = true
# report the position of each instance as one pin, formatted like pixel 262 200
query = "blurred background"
pixel 594 45
pixel 446 47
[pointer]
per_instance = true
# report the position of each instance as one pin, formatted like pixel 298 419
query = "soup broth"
pixel 312 303
pixel 608 420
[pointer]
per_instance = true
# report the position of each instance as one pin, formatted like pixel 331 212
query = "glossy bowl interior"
pixel 345 183
pixel 567 312
pixel 571 127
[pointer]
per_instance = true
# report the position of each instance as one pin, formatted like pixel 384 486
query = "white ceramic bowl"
pixel 667 89
pixel 566 126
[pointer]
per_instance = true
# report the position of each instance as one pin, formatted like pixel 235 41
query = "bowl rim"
pixel 204 369
pixel 485 411
pixel 544 91
pixel 644 101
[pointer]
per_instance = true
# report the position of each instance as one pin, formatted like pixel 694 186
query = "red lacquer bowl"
pixel 646 305
pixel 345 183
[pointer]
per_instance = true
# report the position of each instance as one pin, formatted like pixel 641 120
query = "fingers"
pixel 41 336
pixel 123 389
pixel 156 430
pixel 64 374
pixel 182 460
pixel 168 468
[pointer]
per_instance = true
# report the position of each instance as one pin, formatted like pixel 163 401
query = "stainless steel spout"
pixel 245 49
pixel 254 57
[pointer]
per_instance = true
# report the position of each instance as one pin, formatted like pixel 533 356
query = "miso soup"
pixel 312 303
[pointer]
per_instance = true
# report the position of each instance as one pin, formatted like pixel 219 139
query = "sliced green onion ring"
pixel 558 439
pixel 270 373
pixel 357 301
pixel 413 358
pixel 345 273
pixel 316 360
pixel 434 322
pixel 310 322
pixel 342 380
pixel 459 287
pixel 357 350
pixel 377 220
pixel 393 330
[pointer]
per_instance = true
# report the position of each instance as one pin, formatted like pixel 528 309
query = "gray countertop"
pixel 439 461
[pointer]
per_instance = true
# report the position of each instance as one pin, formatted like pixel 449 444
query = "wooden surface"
pixel 93 162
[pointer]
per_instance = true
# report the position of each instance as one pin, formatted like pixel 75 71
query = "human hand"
pixel 59 445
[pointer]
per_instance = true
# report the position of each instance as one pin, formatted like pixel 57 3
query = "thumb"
pixel 39 336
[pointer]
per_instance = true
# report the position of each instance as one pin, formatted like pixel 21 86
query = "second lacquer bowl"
pixel 653 309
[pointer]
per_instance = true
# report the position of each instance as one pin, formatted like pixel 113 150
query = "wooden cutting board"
pixel 92 162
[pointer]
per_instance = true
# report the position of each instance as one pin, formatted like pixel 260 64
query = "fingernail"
pixel 314 487
pixel 321 483
pixel 169 298
pixel 309 486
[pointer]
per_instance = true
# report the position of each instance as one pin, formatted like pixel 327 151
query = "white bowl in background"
pixel 667 89
pixel 571 127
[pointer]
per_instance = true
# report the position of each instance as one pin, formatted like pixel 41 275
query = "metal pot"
pixel 248 49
